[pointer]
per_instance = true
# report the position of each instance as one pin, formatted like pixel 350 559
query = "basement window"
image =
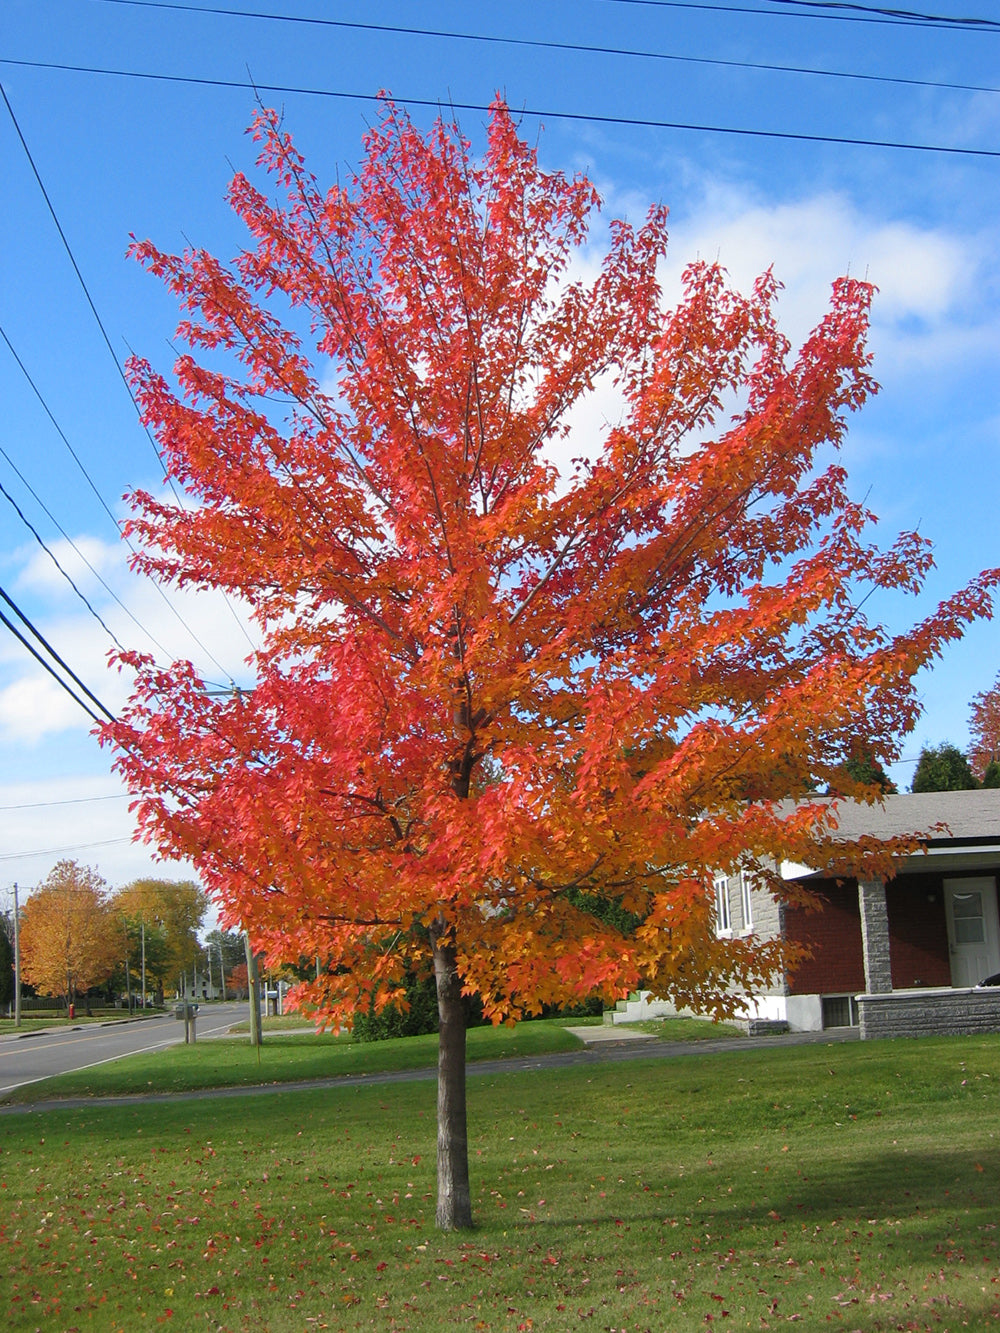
pixel 839 1011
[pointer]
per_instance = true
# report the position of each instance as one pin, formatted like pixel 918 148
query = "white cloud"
pixel 82 559
pixel 82 818
pixel 929 310
pixel 201 627
pixel 33 705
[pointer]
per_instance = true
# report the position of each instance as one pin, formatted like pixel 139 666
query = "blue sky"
pixel 121 155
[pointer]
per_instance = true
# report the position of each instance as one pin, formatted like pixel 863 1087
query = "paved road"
pixel 36 1055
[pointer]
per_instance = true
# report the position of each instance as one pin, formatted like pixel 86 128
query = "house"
pixel 900 957
pixel 907 955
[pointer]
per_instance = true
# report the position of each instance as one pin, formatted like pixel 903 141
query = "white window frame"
pixel 746 900
pixel 723 919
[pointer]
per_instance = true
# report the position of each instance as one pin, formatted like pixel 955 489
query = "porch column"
pixel 875 936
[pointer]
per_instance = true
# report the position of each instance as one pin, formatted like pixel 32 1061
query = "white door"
pixel 971 906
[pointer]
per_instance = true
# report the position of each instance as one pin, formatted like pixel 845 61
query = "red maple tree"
pixel 497 696
pixel 984 728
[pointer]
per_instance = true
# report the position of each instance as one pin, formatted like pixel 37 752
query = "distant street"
pixel 30 1057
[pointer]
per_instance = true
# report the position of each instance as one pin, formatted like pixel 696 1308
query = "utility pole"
pixel 142 934
pixel 17 964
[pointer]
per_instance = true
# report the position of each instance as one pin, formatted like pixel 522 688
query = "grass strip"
pixel 285 1057
pixel 291 1055
pixel 849 1186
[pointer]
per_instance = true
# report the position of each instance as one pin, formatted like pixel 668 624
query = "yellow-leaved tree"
pixel 68 933
pixel 171 913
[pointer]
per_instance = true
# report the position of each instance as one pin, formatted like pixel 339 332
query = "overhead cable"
pixel 870 15
pixel 96 573
pixel 896 15
pixel 543 113
pixel 57 851
pixel 62 435
pixel 121 374
pixel 55 657
pixel 70 800
pixel 59 430
pixel 55 560
pixel 539 44
pixel 76 270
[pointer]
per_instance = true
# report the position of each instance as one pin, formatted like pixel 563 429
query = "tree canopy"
pixel 943 768
pixel 6 963
pixel 505 676
pixel 172 912
pixel 69 937
pixel 984 728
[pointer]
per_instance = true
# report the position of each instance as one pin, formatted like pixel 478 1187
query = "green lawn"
pixel 844 1186
pixel 32 1023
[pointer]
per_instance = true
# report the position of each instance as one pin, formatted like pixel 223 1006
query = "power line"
pixel 900 16
pixel 538 44
pixel 48 513
pixel 55 657
pixel 59 430
pixel 542 113
pixel 57 851
pixel 121 374
pixel 870 15
pixel 76 268
pixel 34 532
pixel 76 458
pixel 73 800
pixel 55 560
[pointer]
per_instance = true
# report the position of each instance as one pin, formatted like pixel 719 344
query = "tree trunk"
pixel 253 985
pixel 454 1202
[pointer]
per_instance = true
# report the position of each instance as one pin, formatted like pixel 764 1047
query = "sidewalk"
pixel 598 1036
pixel 623 1034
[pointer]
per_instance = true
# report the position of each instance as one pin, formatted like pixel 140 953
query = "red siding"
pixel 918 932
pixel 833 935
pixel 918 937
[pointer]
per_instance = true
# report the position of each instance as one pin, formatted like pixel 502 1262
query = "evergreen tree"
pixel 943 768
pixel 6 966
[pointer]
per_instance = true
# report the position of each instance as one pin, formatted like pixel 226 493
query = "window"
pixel 746 900
pixel 840 1011
pixel 967 913
pixel 723 923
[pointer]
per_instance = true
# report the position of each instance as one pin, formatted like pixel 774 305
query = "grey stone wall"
pixel 766 914
pixel 926 1013
pixel 875 935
